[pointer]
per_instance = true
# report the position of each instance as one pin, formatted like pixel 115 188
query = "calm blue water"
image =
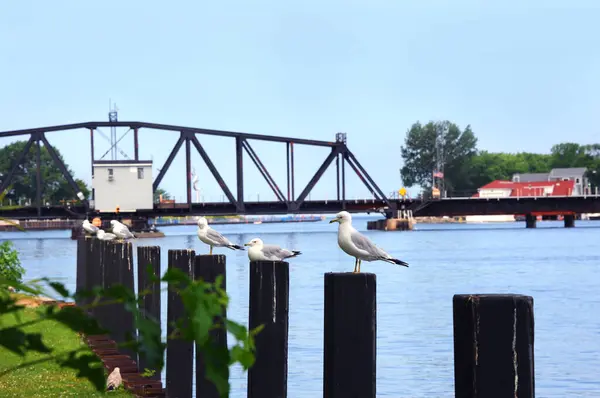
pixel 557 266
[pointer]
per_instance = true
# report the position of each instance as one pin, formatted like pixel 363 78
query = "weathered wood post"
pixel 180 353
pixel 349 363
pixel 95 270
pixel 118 270
pixel 493 345
pixel 208 268
pixel 150 304
pixel 269 306
pixel 83 257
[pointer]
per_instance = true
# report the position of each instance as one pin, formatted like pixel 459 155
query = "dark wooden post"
pixel 180 353
pixel 350 333
pixel 150 303
pixel 493 345
pixel 208 268
pixel 118 270
pixel 83 250
pixel 269 306
pixel 95 270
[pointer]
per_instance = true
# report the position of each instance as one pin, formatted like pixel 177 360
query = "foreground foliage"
pixel 204 303
pixel 10 265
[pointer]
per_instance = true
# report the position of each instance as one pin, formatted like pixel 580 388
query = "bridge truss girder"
pixel 189 136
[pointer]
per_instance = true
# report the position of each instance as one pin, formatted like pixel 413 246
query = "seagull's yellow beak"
pixel 334 220
pixel 246 244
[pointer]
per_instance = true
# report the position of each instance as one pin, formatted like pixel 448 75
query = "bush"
pixel 10 265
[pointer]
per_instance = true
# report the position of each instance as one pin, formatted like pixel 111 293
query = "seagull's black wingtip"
pixel 399 262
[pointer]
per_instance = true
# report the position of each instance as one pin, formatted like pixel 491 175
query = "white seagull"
pixel 121 230
pixel 114 379
pixel 89 227
pixel 212 238
pixel 357 245
pixel 260 252
pixel 102 235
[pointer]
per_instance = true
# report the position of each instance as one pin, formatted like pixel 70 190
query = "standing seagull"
pixel 114 379
pixel 89 227
pixel 105 235
pixel 212 238
pixel 121 230
pixel 260 252
pixel 359 246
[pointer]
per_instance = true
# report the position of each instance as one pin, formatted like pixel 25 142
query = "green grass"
pixel 46 379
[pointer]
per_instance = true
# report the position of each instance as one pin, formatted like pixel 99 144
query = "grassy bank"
pixel 45 379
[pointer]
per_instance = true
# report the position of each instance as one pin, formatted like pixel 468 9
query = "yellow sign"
pixel 402 192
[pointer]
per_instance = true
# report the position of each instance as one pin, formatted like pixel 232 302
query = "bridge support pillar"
pixel 530 221
pixel 569 220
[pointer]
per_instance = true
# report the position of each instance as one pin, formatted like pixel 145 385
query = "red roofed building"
pixel 505 189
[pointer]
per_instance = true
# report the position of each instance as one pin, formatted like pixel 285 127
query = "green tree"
pixel 486 167
pixel 159 192
pixel 419 154
pixel 54 185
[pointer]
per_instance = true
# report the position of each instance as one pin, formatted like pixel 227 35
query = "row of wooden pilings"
pixel 493 334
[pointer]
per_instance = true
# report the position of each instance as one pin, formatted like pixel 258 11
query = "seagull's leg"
pixel 359 261
pixel 211 250
pixel 355 265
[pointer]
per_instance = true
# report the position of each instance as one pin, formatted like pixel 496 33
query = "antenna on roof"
pixel 112 118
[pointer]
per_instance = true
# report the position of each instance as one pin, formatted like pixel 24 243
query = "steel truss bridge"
pixel 288 201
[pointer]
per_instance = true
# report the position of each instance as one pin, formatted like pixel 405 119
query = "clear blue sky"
pixel 524 76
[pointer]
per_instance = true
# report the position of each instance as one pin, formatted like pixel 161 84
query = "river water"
pixel 557 266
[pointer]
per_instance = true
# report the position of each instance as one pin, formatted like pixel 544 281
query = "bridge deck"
pixel 434 208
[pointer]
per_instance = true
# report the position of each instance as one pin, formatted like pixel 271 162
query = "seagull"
pixel 102 235
pixel 121 230
pixel 357 245
pixel 114 380
pixel 89 227
pixel 260 252
pixel 212 238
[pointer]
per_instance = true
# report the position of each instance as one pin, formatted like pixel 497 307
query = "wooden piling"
pixel 83 249
pixel 269 306
pixel 94 271
pixel 208 268
pixel 349 363
pixel 150 303
pixel 118 270
pixel 180 353
pixel 493 345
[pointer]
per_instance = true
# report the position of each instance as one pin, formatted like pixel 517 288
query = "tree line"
pixel 55 187
pixel 466 167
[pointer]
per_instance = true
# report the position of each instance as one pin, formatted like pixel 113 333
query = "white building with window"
pixel 126 184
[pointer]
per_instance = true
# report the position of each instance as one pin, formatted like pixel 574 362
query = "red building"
pixel 505 189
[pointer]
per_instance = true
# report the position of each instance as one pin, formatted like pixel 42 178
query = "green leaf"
pixel 238 330
pixel 176 276
pixel 60 289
